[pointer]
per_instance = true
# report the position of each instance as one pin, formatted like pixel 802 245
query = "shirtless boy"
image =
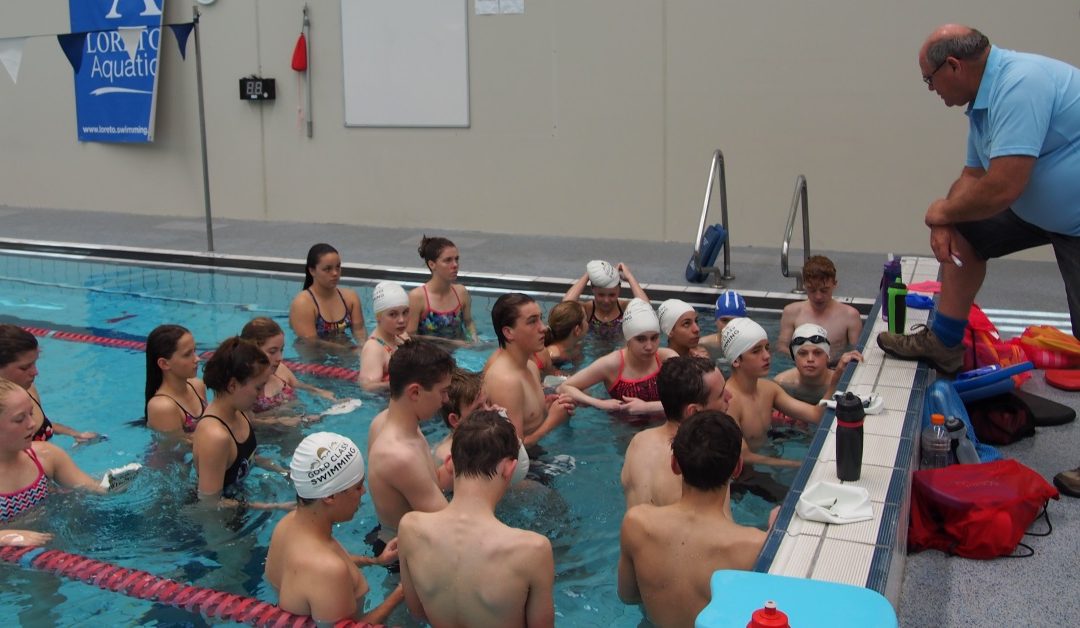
pixel 687 386
pixel 809 380
pixel 669 553
pixel 754 398
pixel 840 319
pixel 402 473
pixel 312 573
pixel 511 381
pixel 463 567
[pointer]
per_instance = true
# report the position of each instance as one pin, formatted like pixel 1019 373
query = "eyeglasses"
pixel 929 78
pixel 816 339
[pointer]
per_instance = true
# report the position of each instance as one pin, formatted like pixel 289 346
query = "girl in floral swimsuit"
pixel 280 390
pixel 440 307
pixel 322 314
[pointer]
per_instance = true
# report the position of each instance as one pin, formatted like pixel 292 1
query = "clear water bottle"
pixel 960 446
pixel 936 444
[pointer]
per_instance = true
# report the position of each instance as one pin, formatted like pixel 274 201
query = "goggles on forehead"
pixel 816 339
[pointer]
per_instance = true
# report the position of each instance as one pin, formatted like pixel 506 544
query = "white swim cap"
pixel 523 465
pixel 809 334
pixel 325 463
pixel 602 274
pixel 388 294
pixel 670 312
pixel 639 318
pixel 739 336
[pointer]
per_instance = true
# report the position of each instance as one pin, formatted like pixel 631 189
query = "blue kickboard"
pixel 711 244
pixel 807 603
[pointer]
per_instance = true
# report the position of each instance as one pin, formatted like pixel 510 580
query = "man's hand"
pixel 941 242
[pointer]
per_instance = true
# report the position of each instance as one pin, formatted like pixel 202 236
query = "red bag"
pixel 975 510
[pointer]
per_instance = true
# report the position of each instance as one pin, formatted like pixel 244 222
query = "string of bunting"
pixel 73 45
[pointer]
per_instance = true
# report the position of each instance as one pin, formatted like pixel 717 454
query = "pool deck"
pixel 936 589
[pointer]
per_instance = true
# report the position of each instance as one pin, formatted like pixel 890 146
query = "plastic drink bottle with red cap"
pixel 936 444
pixel 768 617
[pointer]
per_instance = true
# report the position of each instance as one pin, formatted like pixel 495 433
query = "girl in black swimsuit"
pixel 224 442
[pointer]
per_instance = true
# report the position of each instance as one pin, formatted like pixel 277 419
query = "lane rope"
pixel 210 603
pixel 318 370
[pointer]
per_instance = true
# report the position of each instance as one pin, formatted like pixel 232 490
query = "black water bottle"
pixel 849 437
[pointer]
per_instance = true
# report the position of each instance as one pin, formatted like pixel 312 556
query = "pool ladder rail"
pixel 798 201
pixel 717 173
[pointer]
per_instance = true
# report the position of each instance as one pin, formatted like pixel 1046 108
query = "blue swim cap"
pixel 730 303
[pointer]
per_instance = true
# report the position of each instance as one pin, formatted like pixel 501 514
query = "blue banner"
pixel 116 83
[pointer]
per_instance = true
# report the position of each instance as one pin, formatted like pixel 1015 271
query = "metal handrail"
pixel 716 171
pixel 785 248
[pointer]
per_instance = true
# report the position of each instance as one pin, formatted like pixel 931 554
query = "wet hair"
pixel 6 388
pixel 681 382
pixel 562 320
pixel 818 268
pixel 261 329
pixel 431 248
pixel 505 312
pixel 235 359
pixel 707 448
pixel 161 343
pixel 465 387
pixel 14 341
pixel 418 362
pixel 970 44
pixel 481 442
pixel 314 254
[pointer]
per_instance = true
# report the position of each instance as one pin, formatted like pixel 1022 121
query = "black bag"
pixel 1001 419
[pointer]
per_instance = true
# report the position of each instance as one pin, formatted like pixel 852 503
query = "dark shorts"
pixel 377 547
pixel 1007 233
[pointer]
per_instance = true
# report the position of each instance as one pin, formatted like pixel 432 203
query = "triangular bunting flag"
pixel 131 37
pixel 11 49
pixel 73 44
pixel 182 31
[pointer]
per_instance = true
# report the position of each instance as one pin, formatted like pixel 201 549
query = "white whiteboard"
pixel 406 62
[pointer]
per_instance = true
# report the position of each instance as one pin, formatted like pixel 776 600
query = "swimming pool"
pixel 153 526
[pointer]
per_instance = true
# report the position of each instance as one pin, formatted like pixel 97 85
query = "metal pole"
pixel 202 134
pixel 307 73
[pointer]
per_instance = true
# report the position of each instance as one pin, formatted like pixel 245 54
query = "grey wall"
pixel 595 116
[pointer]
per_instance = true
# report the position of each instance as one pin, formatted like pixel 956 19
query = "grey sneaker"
pixel 923 345
pixel 1068 482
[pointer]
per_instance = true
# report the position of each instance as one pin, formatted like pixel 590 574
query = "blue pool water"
pixel 153 525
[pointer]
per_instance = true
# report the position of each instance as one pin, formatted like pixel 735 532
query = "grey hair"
pixel 966 46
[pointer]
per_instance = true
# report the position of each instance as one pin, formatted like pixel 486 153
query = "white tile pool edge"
pixel 870 554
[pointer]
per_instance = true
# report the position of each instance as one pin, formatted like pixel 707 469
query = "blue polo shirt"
pixel 1030 105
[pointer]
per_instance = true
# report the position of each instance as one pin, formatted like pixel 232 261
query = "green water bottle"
pixel 897 304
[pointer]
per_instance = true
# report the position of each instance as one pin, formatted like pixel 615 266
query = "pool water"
pixel 154 524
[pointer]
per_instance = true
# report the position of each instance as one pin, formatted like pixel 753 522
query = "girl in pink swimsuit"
pixel 391 306
pixel 175 396
pixel 28 467
pixel 629 374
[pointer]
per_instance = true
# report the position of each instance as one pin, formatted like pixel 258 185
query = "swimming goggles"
pixel 816 339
